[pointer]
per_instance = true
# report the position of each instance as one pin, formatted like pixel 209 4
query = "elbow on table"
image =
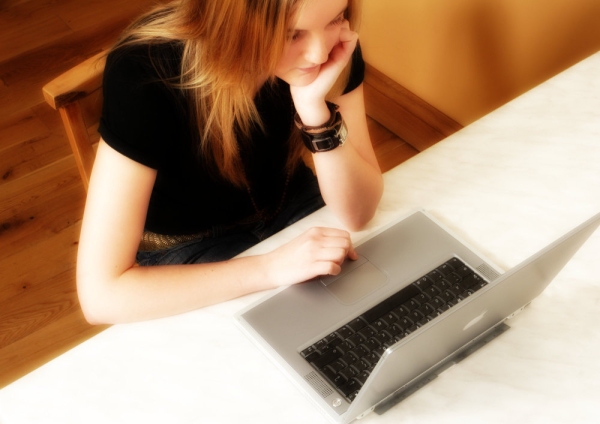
pixel 361 214
pixel 91 301
pixel 357 220
pixel 91 312
pixel 357 223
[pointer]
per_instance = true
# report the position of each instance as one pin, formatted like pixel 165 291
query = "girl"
pixel 208 108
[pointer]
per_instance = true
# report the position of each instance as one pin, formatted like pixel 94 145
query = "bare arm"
pixel 349 177
pixel 112 289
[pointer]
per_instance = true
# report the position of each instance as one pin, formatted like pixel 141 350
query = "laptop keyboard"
pixel 347 356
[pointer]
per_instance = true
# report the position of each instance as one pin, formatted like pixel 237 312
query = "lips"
pixel 309 69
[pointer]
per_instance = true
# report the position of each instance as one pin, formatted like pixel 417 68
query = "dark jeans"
pixel 222 245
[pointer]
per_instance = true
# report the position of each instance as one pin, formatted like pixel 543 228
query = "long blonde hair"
pixel 229 48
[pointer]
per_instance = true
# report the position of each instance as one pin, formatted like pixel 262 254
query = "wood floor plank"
pixel 18 127
pixel 389 149
pixel 390 153
pixel 20 35
pixel 98 12
pixel 33 189
pixel 39 228
pixel 38 307
pixel 49 117
pixel 31 226
pixel 29 271
pixel 30 155
pixel 24 75
pixel 40 347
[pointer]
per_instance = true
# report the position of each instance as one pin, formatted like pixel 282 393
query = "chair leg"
pixel 83 152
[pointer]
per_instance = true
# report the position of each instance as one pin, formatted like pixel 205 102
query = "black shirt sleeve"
pixel 357 73
pixel 140 113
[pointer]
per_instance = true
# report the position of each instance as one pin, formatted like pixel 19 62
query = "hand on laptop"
pixel 319 251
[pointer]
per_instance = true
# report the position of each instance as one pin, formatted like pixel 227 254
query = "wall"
pixel 467 57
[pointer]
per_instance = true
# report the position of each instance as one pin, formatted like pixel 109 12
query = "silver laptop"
pixel 415 302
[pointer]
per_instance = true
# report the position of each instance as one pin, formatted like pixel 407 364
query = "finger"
pixel 352 255
pixel 346 35
pixel 331 254
pixel 342 239
pixel 340 54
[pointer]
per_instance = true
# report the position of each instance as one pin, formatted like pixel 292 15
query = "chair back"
pixel 77 95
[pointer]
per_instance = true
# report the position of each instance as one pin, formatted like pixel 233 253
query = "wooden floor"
pixel 41 195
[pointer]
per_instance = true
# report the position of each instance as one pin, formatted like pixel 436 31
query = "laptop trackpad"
pixel 351 286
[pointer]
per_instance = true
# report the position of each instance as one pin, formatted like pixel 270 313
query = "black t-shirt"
pixel 147 121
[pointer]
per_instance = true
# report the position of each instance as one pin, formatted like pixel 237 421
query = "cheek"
pixel 288 60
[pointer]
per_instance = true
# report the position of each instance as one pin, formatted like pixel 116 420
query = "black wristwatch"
pixel 326 137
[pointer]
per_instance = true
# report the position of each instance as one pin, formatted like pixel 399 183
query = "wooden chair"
pixel 77 95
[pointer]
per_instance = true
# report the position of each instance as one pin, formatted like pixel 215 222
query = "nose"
pixel 317 50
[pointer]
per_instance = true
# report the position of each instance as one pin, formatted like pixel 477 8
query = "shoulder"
pixel 141 111
pixel 152 61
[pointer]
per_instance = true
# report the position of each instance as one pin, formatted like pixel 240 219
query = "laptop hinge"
pixel 433 372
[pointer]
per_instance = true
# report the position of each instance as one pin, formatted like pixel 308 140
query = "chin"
pixel 301 80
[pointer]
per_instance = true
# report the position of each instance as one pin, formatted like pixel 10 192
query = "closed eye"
pixel 296 34
pixel 339 20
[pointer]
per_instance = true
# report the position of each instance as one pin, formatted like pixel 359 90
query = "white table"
pixel 509 184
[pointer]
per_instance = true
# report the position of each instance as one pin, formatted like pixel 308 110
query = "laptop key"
pixel 390 303
pixel 348 373
pixel 344 332
pixel 329 374
pixel 309 351
pixel 455 263
pixel 435 276
pixel 464 271
pixel 357 324
pixel 350 388
pixel 389 318
pixel 423 283
pixel 373 358
pixel 445 269
pixel 443 285
pixel 360 351
pixel 312 356
pixel 362 377
pixel 339 380
pixel 433 291
pixel 379 325
pixel 359 366
pixel 348 358
pixel 356 339
pixel 471 280
pixel 400 311
pixel 345 347
pixel 452 278
pixel 326 358
pixel 335 366
pixel 411 304
pixel 379 351
pixel 372 344
pixel 395 329
pixel 353 396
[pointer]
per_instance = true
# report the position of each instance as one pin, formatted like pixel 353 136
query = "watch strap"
pixel 326 137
